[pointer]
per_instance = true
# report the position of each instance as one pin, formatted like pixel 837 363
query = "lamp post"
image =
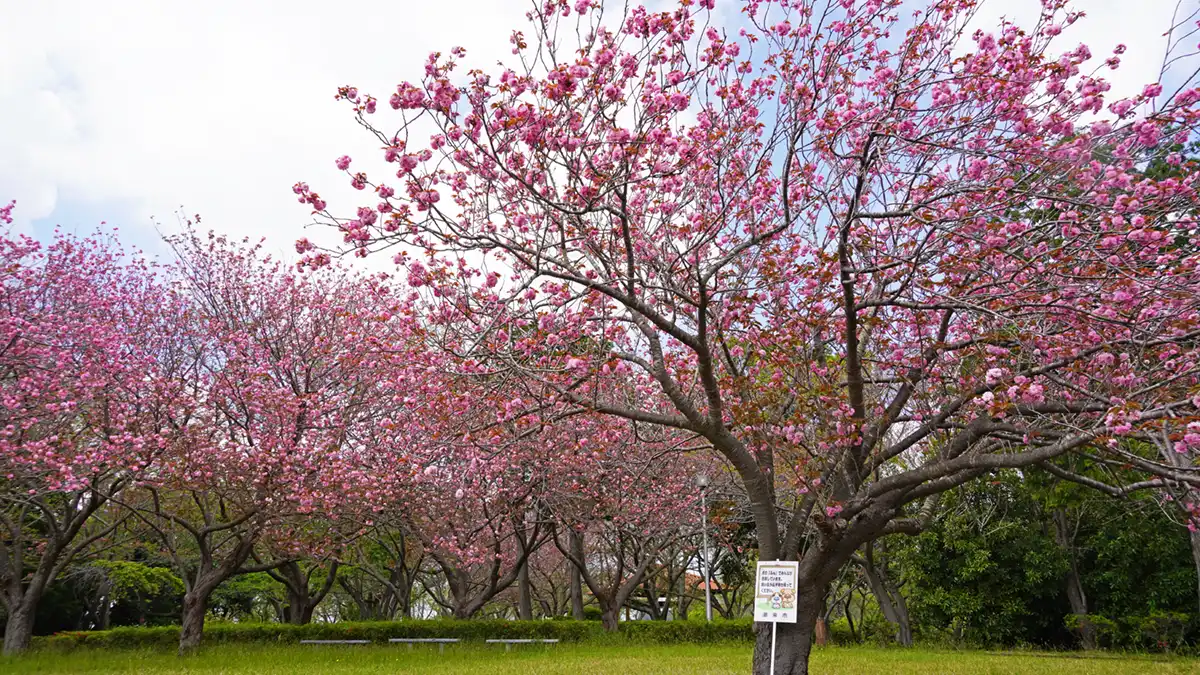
pixel 702 483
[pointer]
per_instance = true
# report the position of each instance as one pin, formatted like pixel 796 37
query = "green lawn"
pixel 574 659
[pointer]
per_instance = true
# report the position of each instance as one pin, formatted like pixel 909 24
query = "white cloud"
pixel 217 106
pixel 220 106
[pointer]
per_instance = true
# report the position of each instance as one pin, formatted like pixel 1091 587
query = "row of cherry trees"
pixel 247 417
pixel 854 254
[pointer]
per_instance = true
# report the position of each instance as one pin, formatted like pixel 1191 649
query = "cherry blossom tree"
pixel 472 502
pixel 279 373
pixel 621 498
pixel 81 405
pixel 861 253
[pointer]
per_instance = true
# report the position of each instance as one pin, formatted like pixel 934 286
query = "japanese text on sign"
pixel 775 591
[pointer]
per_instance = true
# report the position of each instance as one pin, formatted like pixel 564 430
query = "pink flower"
pixel 343 162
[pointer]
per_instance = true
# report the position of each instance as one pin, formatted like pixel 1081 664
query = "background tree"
pixel 277 373
pixel 79 329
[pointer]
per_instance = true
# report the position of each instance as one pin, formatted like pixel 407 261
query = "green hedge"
pixel 659 632
pixel 676 632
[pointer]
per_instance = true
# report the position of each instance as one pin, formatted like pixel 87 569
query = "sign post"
pixel 775 595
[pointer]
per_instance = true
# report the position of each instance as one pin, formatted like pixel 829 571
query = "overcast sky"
pixel 124 110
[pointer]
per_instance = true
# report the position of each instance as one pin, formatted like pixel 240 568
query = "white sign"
pixel 775 591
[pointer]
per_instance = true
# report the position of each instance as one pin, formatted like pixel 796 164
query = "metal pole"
pixel 774 624
pixel 707 571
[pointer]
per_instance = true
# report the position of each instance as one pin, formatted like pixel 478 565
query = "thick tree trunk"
pixel 23 601
pixel 195 606
pixel 576 544
pixel 19 630
pixel 300 613
pixel 403 599
pixel 461 611
pixel 524 594
pixel 610 618
pixel 793 641
pixel 1065 536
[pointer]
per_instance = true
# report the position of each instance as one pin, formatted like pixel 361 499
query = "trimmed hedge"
pixel 677 632
pixel 166 637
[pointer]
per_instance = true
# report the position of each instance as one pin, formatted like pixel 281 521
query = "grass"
pixel 592 659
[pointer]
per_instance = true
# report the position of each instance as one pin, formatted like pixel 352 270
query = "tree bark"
pixel 524 594
pixel 301 601
pixel 610 618
pixel 195 606
pixel 888 596
pixel 301 613
pixel 1064 534
pixel 23 604
pixel 793 641
pixel 576 544
pixel 19 630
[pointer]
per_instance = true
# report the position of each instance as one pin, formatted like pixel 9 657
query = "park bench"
pixel 440 642
pixel 509 643
pixel 335 642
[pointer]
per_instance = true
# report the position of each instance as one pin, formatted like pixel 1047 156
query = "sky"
pixel 127 111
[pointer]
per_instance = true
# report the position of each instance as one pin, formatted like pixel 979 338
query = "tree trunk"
pixel 576 543
pixel 905 636
pixel 105 613
pixel 610 618
pixel 19 630
pixel 23 603
pixel 888 596
pixel 404 601
pixel 1065 536
pixel 849 610
pixel 1194 537
pixel 793 641
pixel 301 613
pixel 524 594
pixel 195 606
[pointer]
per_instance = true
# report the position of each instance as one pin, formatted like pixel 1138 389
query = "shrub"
pixel 1158 631
pixel 565 630
pixel 676 632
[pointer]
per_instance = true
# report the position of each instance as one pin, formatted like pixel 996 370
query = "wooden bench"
pixel 335 642
pixel 440 642
pixel 509 643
